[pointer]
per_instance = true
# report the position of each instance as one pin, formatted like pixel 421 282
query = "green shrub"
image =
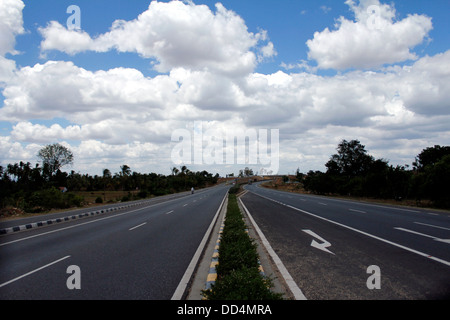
pixel 243 284
pixel 234 189
pixel 236 251
pixel 47 199
pixel 53 199
pixel 71 199
pixel 142 194
pixel 238 275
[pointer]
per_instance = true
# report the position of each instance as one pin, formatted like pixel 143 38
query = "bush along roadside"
pixel 238 275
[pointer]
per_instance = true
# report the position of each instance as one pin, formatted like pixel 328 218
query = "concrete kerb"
pixel 283 281
pixel 203 271
pixel 267 265
pixel 43 223
pixel 206 274
pixel 212 275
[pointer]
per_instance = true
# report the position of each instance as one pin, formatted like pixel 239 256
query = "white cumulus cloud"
pixel 11 25
pixel 375 38
pixel 176 34
pixel 118 116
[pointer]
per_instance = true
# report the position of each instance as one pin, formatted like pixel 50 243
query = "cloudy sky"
pixel 116 89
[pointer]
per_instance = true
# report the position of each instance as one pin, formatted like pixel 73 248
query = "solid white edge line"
pixel 296 291
pixel 181 288
pixel 447 263
pixel 33 271
pixel 363 203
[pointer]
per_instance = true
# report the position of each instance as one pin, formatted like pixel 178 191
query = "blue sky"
pixel 289 23
pixel 312 69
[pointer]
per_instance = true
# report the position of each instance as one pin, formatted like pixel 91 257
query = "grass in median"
pixel 238 275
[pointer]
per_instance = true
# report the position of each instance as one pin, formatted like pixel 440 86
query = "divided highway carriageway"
pixel 339 249
pixel 332 248
pixel 144 251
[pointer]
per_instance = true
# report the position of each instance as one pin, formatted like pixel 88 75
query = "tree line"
pixel 354 172
pixel 34 188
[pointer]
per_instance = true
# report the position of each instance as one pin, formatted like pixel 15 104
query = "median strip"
pixel 235 270
pixel 293 287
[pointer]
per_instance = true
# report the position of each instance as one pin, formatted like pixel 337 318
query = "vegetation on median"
pixel 238 274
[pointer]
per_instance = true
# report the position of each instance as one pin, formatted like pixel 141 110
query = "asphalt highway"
pixel 136 253
pixel 339 249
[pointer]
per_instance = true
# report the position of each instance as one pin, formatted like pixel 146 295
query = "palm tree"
pixel 106 178
pixel 126 171
pixel 124 174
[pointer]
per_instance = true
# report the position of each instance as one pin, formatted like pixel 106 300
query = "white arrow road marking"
pixel 424 235
pixel 447 263
pixel 321 246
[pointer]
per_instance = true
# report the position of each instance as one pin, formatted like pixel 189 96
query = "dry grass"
pixel 10 213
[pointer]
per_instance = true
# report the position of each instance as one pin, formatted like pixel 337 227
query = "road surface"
pixel 141 252
pixel 339 249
